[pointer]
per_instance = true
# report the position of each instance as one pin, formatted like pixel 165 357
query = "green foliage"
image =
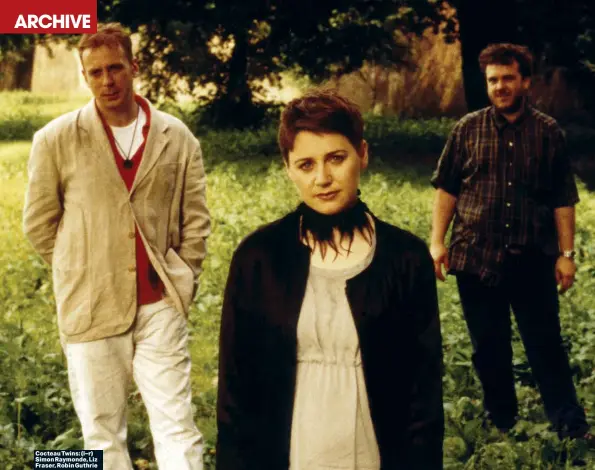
pixel 245 190
pixel 580 139
pixel 259 39
pixel 14 47
pixel 389 134
pixel 11 45
pixel 22 113
pixel 565 35
pixel 562 40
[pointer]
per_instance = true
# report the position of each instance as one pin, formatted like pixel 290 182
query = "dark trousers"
pixel 528 285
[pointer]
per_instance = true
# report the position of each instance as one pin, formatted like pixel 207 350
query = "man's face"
pixel 506 86
pixel 109 74
pixel 325 169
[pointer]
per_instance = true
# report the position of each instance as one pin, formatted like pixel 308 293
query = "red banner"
pixel 53 16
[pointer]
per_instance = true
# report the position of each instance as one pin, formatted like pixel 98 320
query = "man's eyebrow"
pixel 109 66
pixel 508 75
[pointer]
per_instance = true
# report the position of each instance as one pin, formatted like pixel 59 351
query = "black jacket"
pixel 395 309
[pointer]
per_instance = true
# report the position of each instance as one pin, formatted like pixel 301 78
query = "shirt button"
pixel 510 144
pixel 509 183
pixel 506 246
pixel 132 269
pixel 508 204
pixel 131 235
pixel 507 225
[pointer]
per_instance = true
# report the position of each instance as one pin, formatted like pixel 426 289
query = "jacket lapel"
pixel 368 291
pixel 157 140
pixel 296 265
pixel 95 140
pixel 298 278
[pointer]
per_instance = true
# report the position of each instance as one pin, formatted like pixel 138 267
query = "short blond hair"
pixel 108 34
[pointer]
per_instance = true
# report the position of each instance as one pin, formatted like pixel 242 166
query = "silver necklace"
pixel 128 163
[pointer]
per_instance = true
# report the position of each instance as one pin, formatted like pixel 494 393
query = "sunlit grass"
pixel 243 193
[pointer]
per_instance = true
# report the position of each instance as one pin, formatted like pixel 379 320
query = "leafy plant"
pixel 248 188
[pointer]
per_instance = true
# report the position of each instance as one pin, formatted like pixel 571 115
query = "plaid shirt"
pixel 508 179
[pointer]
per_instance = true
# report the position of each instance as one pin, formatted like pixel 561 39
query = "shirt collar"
pixel 501 122
pixel 145 107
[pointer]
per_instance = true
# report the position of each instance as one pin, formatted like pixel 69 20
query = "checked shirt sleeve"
pixel 447 175
pixel 565 193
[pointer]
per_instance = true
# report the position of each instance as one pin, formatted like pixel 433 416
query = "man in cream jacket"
pixel 116 204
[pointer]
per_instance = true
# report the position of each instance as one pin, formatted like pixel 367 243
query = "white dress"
pixel 332 427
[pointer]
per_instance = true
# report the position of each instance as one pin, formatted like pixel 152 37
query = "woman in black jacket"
pixel 330 348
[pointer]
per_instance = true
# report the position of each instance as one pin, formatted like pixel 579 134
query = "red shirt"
pixel 149 287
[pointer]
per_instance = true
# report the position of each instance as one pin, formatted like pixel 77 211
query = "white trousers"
pixel 154 353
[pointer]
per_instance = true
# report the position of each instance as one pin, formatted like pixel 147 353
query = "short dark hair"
pixel 506 54
pixel 108 34
pixel 320 111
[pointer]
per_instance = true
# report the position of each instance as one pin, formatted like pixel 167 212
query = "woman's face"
pixel 325 169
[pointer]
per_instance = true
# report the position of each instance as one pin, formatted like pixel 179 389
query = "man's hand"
pixel 440 256
pixel 565 271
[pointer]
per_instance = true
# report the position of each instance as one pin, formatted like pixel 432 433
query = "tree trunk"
pixel 234 107
pixel 17 74
pixel 238 91
pixel 482 23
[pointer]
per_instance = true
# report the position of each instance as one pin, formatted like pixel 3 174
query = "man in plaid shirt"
pixel 505 177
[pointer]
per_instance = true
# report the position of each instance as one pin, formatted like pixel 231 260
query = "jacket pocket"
pixel 72 290
pixel 71 269
pixel 71 247
pixel 181 276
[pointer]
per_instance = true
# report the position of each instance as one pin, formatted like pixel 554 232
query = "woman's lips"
pixel 327 196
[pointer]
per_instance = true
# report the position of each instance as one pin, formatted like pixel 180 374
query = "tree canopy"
pixel 560 34
pixel 232 43
pixel 16 60
pixel 14 44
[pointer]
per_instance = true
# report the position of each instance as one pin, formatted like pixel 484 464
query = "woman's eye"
pixel 306 166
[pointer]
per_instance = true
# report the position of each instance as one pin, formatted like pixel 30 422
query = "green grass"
pixel 243 193
pixel 22 113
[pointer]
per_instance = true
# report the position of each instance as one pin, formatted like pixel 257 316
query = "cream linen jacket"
pixel 81 218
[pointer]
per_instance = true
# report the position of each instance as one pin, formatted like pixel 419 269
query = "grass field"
pixel 244 191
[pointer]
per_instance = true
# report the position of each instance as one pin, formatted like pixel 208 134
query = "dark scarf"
pixel 320 227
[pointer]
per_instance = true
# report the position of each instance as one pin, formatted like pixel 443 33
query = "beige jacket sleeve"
pixel 195 220
pixel 43 203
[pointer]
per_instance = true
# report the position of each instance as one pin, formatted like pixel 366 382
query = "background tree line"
pixel 234 45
